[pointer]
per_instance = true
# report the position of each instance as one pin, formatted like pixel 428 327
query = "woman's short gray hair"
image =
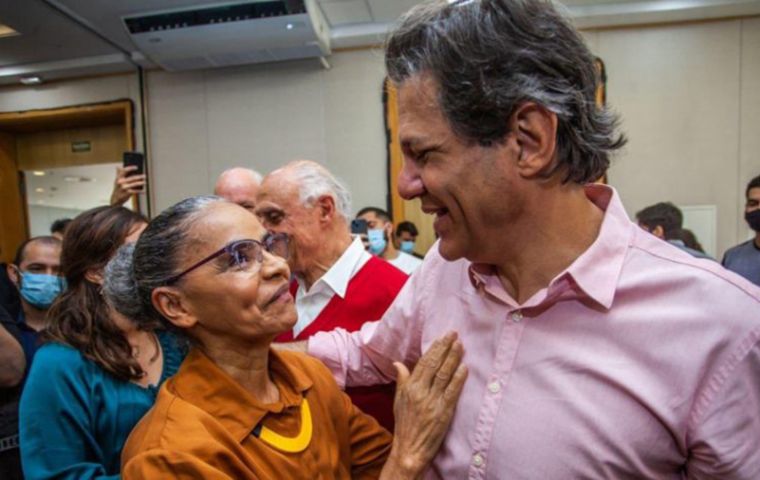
pixel 137 269
pixel 489 56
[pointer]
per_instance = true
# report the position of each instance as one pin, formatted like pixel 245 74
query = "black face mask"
pixel 753 218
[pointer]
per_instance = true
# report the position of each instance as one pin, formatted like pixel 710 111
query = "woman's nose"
pixel 273 266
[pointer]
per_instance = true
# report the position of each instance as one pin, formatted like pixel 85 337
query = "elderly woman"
pixel 237 409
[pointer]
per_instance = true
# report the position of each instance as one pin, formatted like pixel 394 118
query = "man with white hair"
pixel 239 185
pixel 337 283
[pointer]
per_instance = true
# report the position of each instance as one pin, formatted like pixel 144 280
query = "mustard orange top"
pixel 202 425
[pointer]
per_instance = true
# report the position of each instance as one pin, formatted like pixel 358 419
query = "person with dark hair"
pixel 380 243
pixel 665 221
pixel 236 409
pixel 689 239
pixel 58 228
pixel 595 350
pixel 98 372
pixel 12 369
pixel 406 236
pixel 35 275
pixel 744 258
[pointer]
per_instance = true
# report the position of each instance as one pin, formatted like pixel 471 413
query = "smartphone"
pixel 137 159
pixel 359 226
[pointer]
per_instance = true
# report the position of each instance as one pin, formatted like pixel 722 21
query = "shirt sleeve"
pixel 165 464
pixel 725 434
pixel 365 357
pixel 55 421
pixel 370 443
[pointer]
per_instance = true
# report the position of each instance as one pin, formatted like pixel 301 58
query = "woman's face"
pixel 224 299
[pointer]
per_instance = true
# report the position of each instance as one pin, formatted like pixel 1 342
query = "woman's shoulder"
pixel 57 356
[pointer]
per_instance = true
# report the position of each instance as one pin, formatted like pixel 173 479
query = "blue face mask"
pixel 40 289
pixel 407 246
pixel 377 241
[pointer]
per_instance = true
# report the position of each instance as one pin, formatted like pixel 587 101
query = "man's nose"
pixel 409 181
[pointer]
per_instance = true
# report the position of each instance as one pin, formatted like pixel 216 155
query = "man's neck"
pixel 565 226
pixel 757 239
pixel 390 252
pixel 326 256
pixel 34 317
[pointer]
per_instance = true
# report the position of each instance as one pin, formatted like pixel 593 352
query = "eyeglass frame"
pixel 265 244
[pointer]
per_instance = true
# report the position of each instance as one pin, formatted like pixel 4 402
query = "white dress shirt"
pixel 309 304
pixel 406 263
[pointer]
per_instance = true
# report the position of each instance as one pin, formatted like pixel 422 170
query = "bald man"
pixel 239 185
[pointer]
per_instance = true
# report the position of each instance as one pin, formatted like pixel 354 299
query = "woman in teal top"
pixel 97 374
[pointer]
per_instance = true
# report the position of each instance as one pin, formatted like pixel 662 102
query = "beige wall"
pixel 689 96
pixel 262 116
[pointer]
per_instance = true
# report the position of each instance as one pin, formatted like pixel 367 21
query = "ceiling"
pixel 64 38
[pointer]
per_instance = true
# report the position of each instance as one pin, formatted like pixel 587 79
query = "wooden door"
pixel 13 224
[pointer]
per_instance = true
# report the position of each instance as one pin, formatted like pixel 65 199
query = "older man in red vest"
pixel 337 283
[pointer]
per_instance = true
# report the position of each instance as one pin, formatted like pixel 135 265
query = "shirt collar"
pixel 202 383
pixel 596 271
pixel 343 270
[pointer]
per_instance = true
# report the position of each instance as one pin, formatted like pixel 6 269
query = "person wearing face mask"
pixel 34 274
pixel 406 237
pixel 379 235
pixel 744 258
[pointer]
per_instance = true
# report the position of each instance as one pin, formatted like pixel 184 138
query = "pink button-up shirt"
pixel 638 361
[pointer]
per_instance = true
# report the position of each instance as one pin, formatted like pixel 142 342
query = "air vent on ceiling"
pixel 231 34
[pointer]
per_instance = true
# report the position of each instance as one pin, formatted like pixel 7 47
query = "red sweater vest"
pixel 369 294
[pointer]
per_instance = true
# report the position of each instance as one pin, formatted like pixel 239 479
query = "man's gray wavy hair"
pixel 489 56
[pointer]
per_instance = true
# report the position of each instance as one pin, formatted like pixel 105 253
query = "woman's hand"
pixel 424 405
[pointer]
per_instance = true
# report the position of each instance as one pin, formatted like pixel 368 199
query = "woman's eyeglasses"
pixel 243 253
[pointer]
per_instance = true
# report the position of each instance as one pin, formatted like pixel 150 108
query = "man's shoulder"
pixel 744 247
pixel 663 265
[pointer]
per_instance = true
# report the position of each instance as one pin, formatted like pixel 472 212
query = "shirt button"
pixel 478 460
pixel 494 387
pixel 517 316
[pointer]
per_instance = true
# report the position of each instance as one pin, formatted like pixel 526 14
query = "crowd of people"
pixel 250 334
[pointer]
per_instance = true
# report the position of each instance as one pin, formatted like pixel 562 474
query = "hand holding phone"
pixel 130 179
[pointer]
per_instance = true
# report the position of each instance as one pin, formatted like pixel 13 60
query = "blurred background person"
pixel 58 228
pixel 239 185
pixel 406 237
pixel 380 240
pixel 12 368
pixel 35 274
pixel 744 258
pixel 665 221
pixel 337 283
pixel 97 373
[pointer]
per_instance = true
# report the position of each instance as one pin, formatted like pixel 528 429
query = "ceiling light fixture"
pixel 39 190
pixel 38 173
pixel 32 80
pixel 289 26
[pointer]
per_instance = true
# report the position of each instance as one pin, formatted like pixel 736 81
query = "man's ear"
pixel 327 209
pixel 534 128
pixel 172 305
pixel 13 275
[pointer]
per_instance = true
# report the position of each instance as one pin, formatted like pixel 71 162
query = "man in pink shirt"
pixel 594 350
